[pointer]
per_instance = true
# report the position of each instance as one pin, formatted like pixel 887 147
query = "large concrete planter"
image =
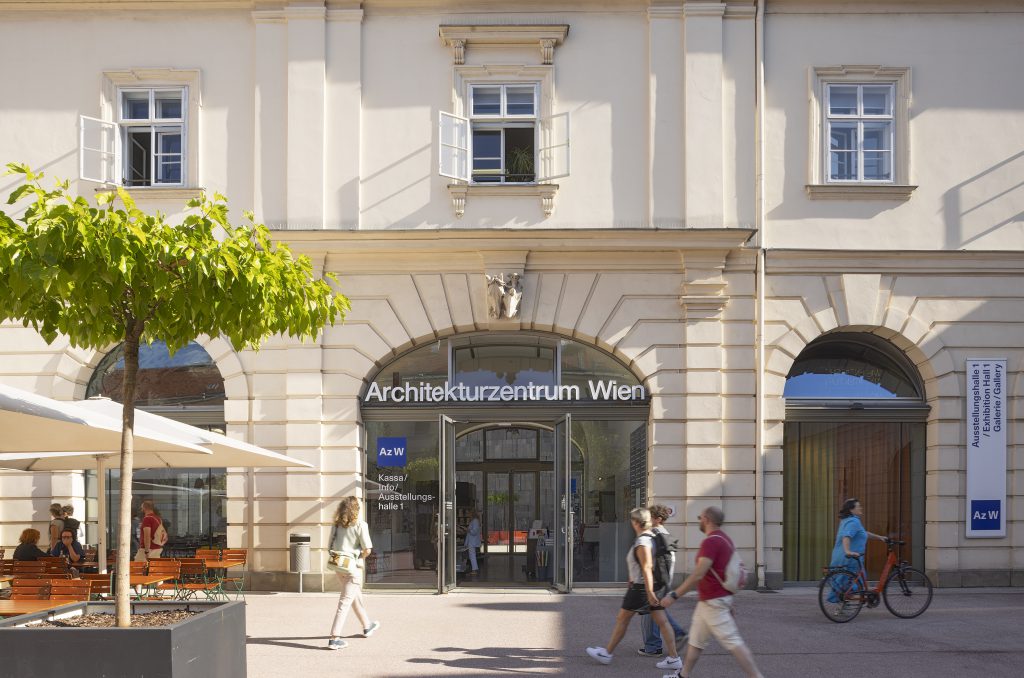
pixel 209 644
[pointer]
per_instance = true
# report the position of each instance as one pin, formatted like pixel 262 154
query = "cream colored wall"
pixel 312 116
pixel 940 314
pixel 965 116
pixel 59 76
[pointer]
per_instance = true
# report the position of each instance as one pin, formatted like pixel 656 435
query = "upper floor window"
pixel 144 136
pixel 504 123
pixel 860 132
pixel 152 133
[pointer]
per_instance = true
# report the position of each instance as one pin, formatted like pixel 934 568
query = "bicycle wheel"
pixel 907 592
pixel 838 596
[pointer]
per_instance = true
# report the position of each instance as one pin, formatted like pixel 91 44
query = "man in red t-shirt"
pixel 150 533
pixel 713 614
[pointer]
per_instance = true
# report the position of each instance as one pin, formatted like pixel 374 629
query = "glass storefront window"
pixel 581 364
pixel 505 365
pixel 427 364
pixel 192 504
pixel 187 387
pixel 402 506
pixel 189 377
pixel 880 463
pixel 603 493
pixel 840 367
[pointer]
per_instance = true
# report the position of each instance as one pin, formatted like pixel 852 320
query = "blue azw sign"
pixel 391 451
pixel 985 514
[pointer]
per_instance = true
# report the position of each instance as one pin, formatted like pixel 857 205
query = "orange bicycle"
pixel 906 591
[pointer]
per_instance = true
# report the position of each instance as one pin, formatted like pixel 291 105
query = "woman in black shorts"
pixel 640 597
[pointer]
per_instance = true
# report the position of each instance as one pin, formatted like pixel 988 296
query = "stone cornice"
pixel 432 241
pixel 918 262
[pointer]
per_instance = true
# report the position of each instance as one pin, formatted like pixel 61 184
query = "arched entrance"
pixel 187 387
pixel 855 427
pixel 544 437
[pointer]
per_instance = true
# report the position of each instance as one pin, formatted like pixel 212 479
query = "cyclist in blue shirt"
pixel 851 537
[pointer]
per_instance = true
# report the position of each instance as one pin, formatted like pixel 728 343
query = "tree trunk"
pixel 122 607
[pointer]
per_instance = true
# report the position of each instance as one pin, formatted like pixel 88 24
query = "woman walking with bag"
pixel 349 545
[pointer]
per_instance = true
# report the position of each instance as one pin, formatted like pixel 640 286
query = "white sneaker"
pixel 371 629
pixel 336 644
pixel 670 663
pixel 600 654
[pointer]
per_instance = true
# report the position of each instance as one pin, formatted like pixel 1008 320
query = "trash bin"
pixel 298 556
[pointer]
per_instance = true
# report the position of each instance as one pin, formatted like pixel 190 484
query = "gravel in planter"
pixel 95 621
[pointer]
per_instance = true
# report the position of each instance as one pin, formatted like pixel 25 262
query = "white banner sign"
pixel 986 448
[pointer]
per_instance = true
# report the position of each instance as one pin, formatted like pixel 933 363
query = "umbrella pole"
pixel 101 513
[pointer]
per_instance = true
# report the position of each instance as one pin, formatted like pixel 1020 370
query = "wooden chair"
pixel 137 568
pixel 195 579
pixel 70 589
pixel 30 589
pixel 208 554
pixel 235 584
pixel 169 568
pixel 54 565
pixel 99 585
pixel 6 567
pixel 28 567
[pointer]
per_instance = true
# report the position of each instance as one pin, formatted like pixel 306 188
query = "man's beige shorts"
pixel 713 618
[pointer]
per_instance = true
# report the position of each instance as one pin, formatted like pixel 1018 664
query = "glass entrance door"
pixel 561 559
pixel 446 538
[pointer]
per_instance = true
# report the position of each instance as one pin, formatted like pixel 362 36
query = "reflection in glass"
pixel 189 377
pixel 581 363
pixel 840 368
pixel 505 365
pixel 882 464
pixel 427 364
pixel 404 533
pixel 192 504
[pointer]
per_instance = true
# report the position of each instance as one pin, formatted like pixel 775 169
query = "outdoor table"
pixel 147 580
pixel 219 570
pixel 11 608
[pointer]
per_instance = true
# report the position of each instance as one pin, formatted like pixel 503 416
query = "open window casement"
pixel 98 150
pixel 453 146
pixel 553 150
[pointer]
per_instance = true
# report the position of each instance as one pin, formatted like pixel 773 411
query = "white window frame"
pixel 820 185
pixel 111 117
pixel 500 122
pixel 551 145
pixel 859 117
pixel 155 126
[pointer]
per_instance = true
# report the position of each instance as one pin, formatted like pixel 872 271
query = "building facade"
pixel 760 255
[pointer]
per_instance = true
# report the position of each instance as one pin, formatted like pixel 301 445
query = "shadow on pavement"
pixel 494 660
pixel 283 642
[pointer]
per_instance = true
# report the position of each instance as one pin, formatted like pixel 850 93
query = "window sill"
pixel 546 193
pixel 859 191
pixel 158 192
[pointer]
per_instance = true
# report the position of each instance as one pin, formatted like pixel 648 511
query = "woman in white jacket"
pixel 351 537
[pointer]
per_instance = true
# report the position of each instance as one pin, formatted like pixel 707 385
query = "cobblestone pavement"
pixel 966 633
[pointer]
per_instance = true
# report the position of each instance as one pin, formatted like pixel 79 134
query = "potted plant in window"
pixel 520 165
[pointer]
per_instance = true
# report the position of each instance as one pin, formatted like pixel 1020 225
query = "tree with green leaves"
pixel 101 275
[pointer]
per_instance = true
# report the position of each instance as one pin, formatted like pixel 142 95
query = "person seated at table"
pixel 28 548
pixel 69 548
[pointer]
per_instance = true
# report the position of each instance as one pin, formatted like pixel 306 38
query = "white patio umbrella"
pixel 35 423
pixel 214 450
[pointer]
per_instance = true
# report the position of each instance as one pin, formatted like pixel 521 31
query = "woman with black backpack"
pixel 641 596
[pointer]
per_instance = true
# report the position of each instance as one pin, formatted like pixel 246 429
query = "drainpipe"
pixel 761 243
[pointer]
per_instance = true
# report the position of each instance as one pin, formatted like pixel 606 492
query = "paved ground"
pixel 966 633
